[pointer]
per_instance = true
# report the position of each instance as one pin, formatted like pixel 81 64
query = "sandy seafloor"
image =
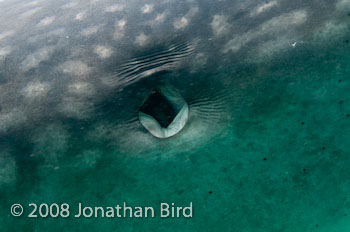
pixel 278 159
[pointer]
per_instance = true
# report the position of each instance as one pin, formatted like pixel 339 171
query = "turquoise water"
pixel 278 160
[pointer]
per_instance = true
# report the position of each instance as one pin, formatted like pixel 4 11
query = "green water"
pixel 280 162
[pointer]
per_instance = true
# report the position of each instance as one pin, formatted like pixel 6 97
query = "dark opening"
pixel 159 108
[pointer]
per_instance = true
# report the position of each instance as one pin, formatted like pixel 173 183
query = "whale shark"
pixel 239 107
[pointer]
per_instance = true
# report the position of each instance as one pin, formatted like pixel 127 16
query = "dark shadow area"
pixel 159 108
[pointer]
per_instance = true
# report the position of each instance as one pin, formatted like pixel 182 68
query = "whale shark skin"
pixel 260 141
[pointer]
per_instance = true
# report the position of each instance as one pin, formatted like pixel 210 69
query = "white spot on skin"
pixel 103 52
pixel 160 18
pixel 12 119
pixel 46 21
pixel 146 9
pixel 6 34
pixel 121 24
pixel 4 51
pixel 33 60
pixel 70 5
pixel 80 16
pixel 35 90
pixel 89 31
pixel 219 25
pixel 343 5
pixel 29 4
pixel 239 41
pixel 51 34
pixel 141 39
pixel 199 61
pixel 8 170
pixel 83 89
pixel 30 13
pixel 119 29
pixel 277 25
pixel 270 49
pixel 56 32
pixel 263 8
pixel 183 22
pixel 114 8
pixel 75 68
pixel 280 23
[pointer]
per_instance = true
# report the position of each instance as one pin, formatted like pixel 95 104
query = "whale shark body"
pixel 237 106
